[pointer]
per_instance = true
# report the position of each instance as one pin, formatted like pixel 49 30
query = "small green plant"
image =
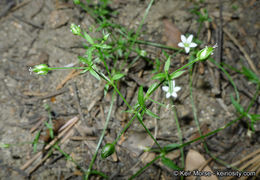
pixel 113 51
pixel 251 76
pixel 99 49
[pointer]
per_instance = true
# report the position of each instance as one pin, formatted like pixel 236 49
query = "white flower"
pixel 187 43
pixel 174 90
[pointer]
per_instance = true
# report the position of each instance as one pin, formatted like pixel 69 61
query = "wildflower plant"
pixel 110 49
pixel 111 78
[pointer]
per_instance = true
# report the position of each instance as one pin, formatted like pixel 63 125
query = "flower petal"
pixel 204 52
pixel 183 39
pixel 174 94
pixel 173 84
pixel 189 39
pixel 168 95
pixel 187 49
pixel 176 89
pixel 165 88
pixel 180 44
pixel 193 44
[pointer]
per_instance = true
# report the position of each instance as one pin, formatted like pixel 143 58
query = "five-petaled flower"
pixel 174 90
pixel 187 43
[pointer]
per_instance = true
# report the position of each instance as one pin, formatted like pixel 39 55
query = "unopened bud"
pixel 41 69
pixel 107 150
pixel 75 29
pixel 205 53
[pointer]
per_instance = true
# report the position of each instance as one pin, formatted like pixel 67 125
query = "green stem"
pixel 105 63
pixel 254 98
pixel 88 173
pixel 146 166
pixel 228 76
pixel 68 157
pixel 126 127
pixel 179 132
pixel 149 43
pixel 147 130
pixel 64 68
pixel 137 32
pixel 188 143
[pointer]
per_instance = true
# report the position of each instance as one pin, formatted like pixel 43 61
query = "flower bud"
pixel 41 69
pixel 205 53
pixel 107 150
pixel 75 29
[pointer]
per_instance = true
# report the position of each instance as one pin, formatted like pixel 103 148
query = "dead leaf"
pixel 172 34
pixel 195 161
pixel 57 124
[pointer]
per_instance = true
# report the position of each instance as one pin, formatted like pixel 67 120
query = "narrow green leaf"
pixel 171 147
pixel 175 75
pixel 159 76
pixel 106 89
pixel 167 64
pixel 87 69
pixel 103 46
pixel 35 141
pixel 255 117
pixel 88 38
pixel 117 76
pixel 94 74
pixel 89 54
pixel 169 163
pixel 139 116
pixel 250 75
pixel 141 97
pixel 237 106
pixel 83 60
pixel 151 89
pixel 4 145
pixel 150 113
pixel 99 173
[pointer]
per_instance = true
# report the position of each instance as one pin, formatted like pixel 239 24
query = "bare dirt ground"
pixel 35 32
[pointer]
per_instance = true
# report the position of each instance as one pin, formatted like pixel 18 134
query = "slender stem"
pixel 186 144
pixel 105 63
pixel 157 45
pixel 120 94
pixel 147 130
pixel 88 172
pixel 254 98
pixel 228 76
pixel 64 68
pixel 179 132
pixel 127 126
pixel 68 157
pixel 138 31
pixel 146 166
